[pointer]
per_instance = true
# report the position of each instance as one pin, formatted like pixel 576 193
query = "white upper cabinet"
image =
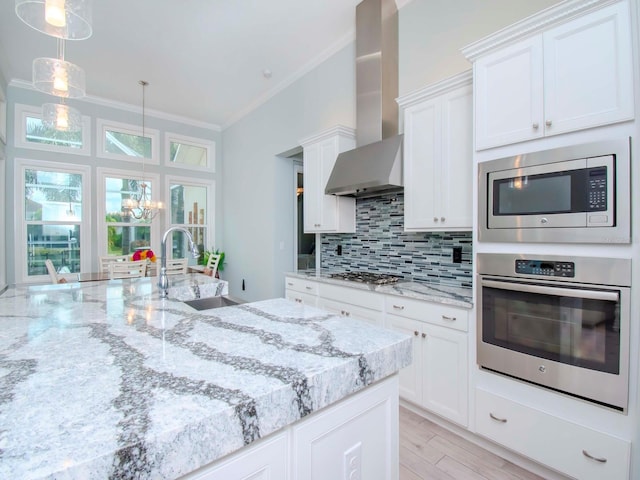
pixel 438 156
pixel 567 77
pixel 326 213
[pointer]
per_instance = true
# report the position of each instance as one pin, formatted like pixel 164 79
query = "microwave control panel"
pixel 546 268
pixel 597 189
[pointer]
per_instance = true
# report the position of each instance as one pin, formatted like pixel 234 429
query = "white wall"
pixel 257 197
pixel 3 202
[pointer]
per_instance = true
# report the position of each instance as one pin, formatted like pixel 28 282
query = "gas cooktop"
pixel 366 277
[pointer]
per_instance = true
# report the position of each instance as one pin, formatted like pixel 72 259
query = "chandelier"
pixel 139 205
pixel 65 20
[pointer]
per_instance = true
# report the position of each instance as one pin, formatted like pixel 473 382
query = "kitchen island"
pixel 108 380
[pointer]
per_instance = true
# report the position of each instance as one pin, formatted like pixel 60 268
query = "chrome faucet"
pixel 163 279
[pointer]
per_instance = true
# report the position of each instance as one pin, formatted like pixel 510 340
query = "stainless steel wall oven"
pixel 558 322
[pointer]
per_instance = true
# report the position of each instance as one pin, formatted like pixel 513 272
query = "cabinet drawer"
pixel 554 442
pixel 436 314
pixel 300 285
pixel 375 317
pixel 352 296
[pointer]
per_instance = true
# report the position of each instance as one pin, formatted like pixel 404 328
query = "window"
pixel 122 141
pixel 31 133
pixel 3 118
pixel 191 207
pixel 119 233
pixel 51 219
pixel 189 152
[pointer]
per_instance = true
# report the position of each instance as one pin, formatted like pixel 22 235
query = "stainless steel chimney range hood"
pixel 375 166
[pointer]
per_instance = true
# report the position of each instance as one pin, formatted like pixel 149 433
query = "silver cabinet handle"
pixel 548 123
pixel 309 288
pixel 591 457
pixel 451 319
pixel 424 335
pixel 498 419
pixel 435 219
pixel 535 125
pixel 415 332
pixel 299 300
pixel 399 307
pixel 442 219
pixel 290 284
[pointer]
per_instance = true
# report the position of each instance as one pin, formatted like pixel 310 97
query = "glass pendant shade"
pixel 59 77
pixel 61 117
pixel 67 19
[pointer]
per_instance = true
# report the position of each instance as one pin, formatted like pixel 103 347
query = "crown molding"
pixel 325 55
pixel 104 102
pixel 329 133
pixel 438 88
pixel 533 24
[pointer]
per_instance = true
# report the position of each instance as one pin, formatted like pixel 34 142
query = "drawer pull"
pixel 415 332
pixel 309 288
pixel 299 300
pixel 424 335
pixel 591 457
pixel 290 284
pixel 399 307
pixel 498 419
pixel 450 319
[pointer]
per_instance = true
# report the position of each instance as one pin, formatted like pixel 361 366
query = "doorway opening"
pixel 305 243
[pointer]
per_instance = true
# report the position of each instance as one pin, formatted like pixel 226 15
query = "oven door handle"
pixel 557 291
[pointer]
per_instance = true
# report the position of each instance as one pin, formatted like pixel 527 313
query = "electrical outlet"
pixel 457 255
pixel 353 463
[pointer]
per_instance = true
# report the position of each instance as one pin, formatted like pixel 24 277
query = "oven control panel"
pixel 545 268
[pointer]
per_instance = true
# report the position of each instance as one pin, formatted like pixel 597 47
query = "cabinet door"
pixel 352 311
pixel 444 360
pixel 312 206
pixel 588 74
pixel 456 172
pixel 411 376
pixel 298 297
pixel 422 146
pixel 509 95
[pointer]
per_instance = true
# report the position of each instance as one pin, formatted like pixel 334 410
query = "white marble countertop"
pixel 108 380
pixel 455 296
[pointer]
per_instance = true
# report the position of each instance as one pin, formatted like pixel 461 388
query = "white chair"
pixel 176 266
pixel 105 261
pixel 212 264
pixel 52 273
pixel 127 269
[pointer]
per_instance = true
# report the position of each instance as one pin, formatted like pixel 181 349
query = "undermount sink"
pixel 211 302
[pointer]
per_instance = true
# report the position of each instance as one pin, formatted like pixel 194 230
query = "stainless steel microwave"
pixel 577 194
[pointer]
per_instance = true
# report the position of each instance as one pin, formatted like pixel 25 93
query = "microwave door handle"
pixel 557 291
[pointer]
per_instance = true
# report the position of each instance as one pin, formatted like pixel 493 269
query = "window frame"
pixel 22 111
pixel 102 125
pixel 209 226
pixel 21 267
pixel 208 145
pixel 3 116
pixel 101 226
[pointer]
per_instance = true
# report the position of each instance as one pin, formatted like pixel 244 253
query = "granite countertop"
pixel 108 380
pixel 455 296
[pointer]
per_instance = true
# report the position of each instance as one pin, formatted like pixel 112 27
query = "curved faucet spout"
pixel 163 279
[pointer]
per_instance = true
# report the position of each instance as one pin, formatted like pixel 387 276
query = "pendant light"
pixel 67 19
pixel 61 117
pixel 139 205
pixel 58 77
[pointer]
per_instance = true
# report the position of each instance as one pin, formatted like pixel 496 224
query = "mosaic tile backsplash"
pixel 380 244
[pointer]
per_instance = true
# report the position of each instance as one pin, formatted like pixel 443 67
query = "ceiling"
pixel 203 59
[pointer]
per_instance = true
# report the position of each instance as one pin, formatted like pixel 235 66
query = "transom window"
pixel 122 141
pixel 189 152
pixel 32 133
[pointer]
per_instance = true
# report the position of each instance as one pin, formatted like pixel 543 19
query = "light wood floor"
pixel 428 451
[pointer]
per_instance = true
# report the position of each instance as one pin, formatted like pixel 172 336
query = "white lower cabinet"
pixel 567 447
pixel 301 291
pixel 267 460
pixel 352 302
pixel 357 441
pixel 437 379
